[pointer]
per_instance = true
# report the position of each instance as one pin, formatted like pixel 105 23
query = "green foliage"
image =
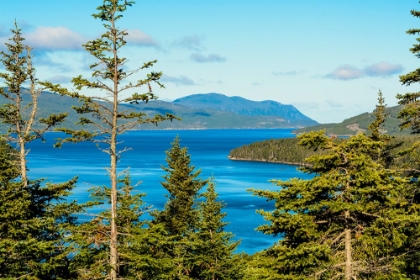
pixel 90 240
pixel 399 152
pixel 214 252
pixel 180 215
pixel 350 191
pixel 111 77
pixel 284 150
pixel 360 123
pixel 34 223
pixel 34 217
pixel 195 240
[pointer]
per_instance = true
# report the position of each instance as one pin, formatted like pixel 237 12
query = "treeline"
pixel 284 150
pixel 288 151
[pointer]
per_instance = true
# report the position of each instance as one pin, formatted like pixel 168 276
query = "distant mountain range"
pixel 360 123
pixel 197 111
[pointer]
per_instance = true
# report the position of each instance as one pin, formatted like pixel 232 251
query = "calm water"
pixel 209 150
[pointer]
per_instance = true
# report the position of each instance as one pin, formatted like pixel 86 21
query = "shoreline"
pixel 270 161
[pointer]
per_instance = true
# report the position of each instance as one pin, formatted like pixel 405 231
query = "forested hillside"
pixel 360 123
pixel 289 151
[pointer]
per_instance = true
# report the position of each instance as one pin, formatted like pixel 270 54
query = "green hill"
pixel 289 152
pixel 360 123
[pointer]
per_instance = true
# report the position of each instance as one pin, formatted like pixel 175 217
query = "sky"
pixel 328 58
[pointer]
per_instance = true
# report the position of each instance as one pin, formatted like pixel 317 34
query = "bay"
pixel 208 149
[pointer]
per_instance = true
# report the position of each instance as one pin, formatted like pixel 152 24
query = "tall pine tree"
pixel 111 77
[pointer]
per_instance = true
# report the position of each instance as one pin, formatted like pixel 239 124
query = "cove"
pixel 208 149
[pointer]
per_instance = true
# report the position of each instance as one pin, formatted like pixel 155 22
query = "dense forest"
pixel 356 218
pixel 288 151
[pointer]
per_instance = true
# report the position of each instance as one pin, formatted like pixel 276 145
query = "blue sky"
pixel 328 58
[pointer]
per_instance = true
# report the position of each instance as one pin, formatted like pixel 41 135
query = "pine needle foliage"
pixel 103 112
pixel 34 217
pixel 20 118
pixel 214 252
pixel 323 221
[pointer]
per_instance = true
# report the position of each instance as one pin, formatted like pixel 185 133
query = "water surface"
pixel 208 149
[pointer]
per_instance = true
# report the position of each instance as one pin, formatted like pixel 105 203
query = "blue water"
pixel 208 149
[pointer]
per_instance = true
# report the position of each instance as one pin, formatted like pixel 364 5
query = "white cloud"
pixel 383 69
pixel 349 72
pixel 209 58
pixel 181 80
pixel 140 38
pixel 54 38
pixel 345 72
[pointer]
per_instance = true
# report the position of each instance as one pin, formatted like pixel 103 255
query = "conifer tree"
pixel 34 218
pixel 90 240
pixel 214 252
pixel 410 112
pixel 103 113
pixel 323 221
pixel 409 211
pixel 20 117
pixel 180 216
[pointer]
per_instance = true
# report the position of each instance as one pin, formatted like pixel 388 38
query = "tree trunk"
pixel 114 193
pixel 113 154
pixel 347 239
pixel 22 159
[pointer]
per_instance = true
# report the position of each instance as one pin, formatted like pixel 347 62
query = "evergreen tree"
pixel 111 77
pixel 90 240
pixel 324 221
pixel 409 210
pixel 214 252
pixel 19 117
pixel 180 216
pixel 34 218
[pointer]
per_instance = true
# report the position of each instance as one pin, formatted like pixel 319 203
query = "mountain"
pixel 360 123
pixel 242 106
pixel 231 112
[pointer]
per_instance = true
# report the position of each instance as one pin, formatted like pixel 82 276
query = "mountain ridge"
pixel 193 117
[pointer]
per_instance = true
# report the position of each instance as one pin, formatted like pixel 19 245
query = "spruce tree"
pixel 34 217
pixel 20 117
pixel 180 216
pixel 90 240
pixel 214 252
pixel 102 113
pixel 323 221
pixel 409 210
